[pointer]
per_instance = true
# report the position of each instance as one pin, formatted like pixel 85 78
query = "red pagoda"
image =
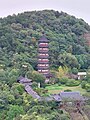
pixel 43 61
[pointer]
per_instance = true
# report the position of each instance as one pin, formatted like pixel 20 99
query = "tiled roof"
pixel 71 95
pixel 82 73
pixel 24 79
pixel 43 38
pixel 57 97
pixel 31 92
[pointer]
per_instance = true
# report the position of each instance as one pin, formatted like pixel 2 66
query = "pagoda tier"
pixel 43 65
pixel 43 56
pixel 44 45
pixel 42 68
pixel 43 50
pixel 43 62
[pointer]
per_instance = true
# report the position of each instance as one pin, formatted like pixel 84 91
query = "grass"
pixel 54 87
pixel 57 89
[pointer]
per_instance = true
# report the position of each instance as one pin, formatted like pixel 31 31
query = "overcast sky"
pixel 78 8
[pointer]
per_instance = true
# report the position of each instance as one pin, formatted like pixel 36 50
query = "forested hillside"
pixel 19 35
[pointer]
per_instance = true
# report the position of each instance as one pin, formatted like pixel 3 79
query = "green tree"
pixel 68 59
pixel 36 77
pixel 75 71
pixel 14 111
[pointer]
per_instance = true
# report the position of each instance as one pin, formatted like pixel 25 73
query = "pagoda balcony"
pixel 42 67
pixel 43 72
pixel 43 46
pixel 43 51
pixel 43 56
pixel 43 62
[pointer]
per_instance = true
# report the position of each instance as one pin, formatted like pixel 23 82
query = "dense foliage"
pixel 19 36
pixel 86 82
pixel 16 104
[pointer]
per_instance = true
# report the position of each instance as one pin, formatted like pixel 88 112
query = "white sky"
pixel 78 8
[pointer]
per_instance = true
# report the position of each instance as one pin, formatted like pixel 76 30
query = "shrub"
pixel 14 111
pixel 59 84
pixel 63 80
pixel 34 85
pixel 19 87
pixel 72 82
pixel 68 90
pixel 87 87
pixel 83 84
pixel 53 80
pixel 74 70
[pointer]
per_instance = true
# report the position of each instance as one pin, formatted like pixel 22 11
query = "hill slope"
pixel 19 35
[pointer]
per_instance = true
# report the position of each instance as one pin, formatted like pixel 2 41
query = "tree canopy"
pixel 19 35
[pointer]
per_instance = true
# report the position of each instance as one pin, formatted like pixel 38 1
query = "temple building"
pixel 43 56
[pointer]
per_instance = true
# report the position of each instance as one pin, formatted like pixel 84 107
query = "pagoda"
pixel 43 56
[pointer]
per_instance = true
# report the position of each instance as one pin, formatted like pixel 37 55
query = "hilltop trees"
pixel 19 36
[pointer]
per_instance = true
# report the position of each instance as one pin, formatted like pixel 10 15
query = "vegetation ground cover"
pixel 56 88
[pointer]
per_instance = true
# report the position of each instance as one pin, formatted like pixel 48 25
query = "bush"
pixel 83 84
pixel 19 87
pixel 75 71
pixel 63 80
pixel 88 78
pixel 87 87
pixel 14 111
pixel 59 84
pixel 72 82
pixel 34 85
pixel 53 81
pixel 68 90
